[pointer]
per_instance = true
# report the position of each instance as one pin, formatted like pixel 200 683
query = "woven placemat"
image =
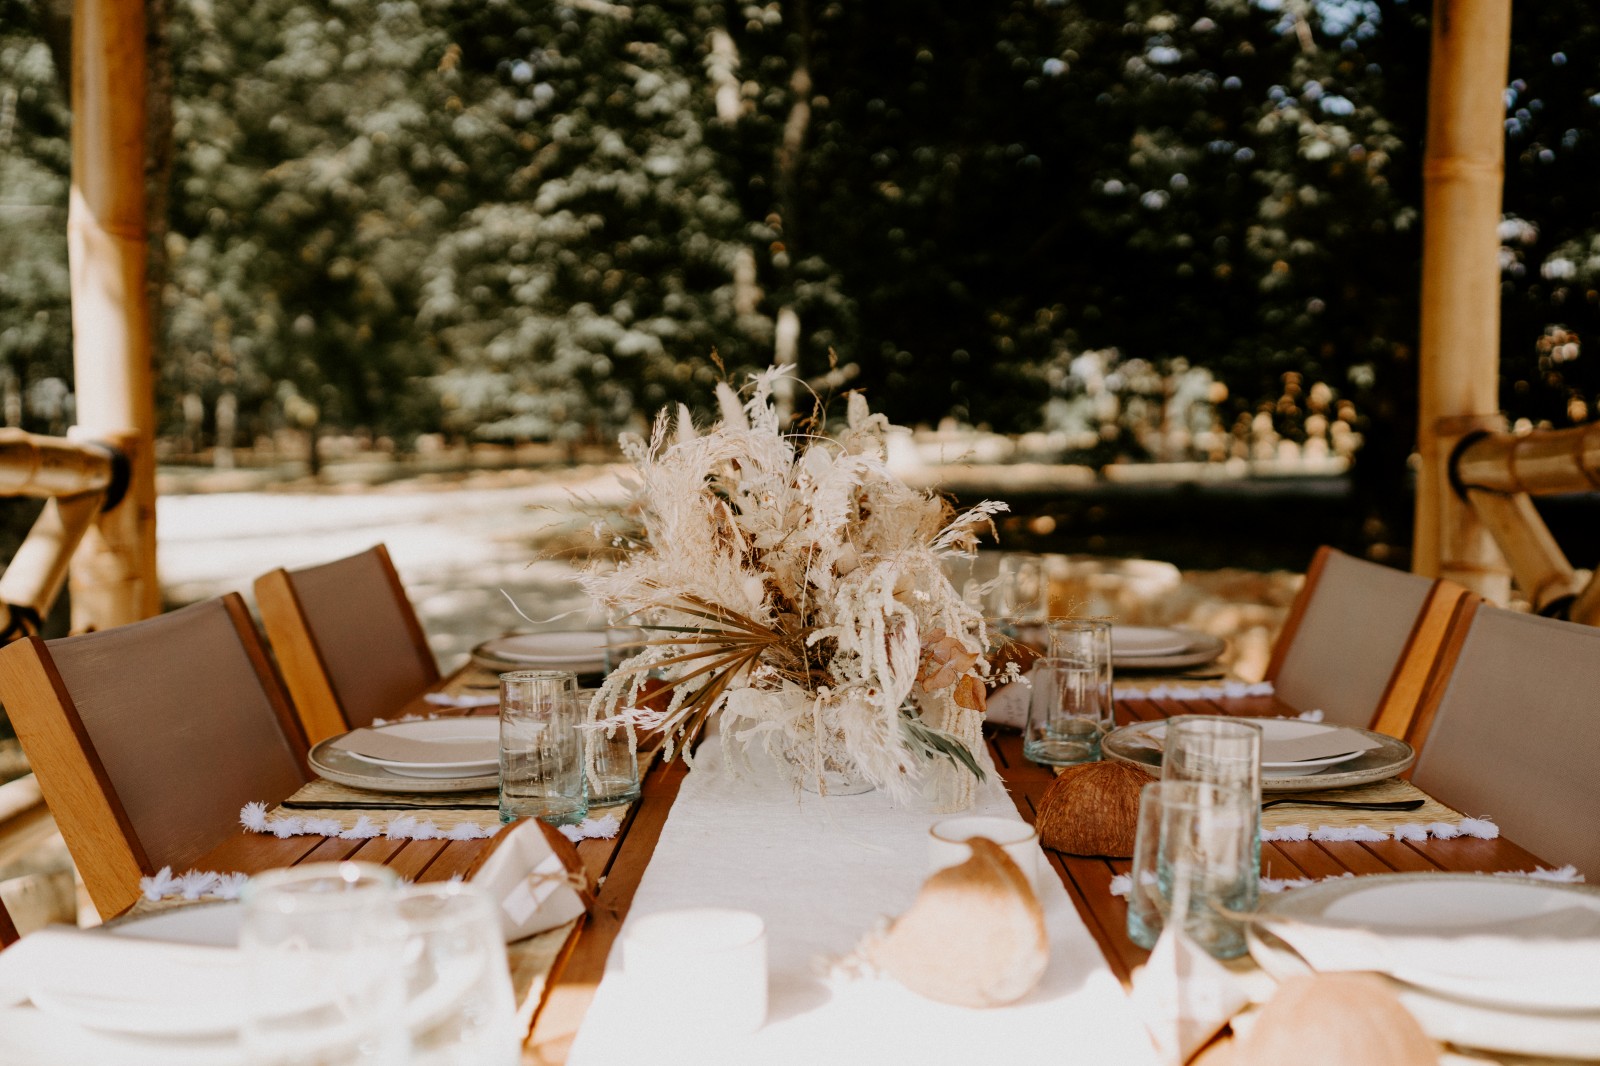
pixel 322 793
pixel 443 818
pixel 1333 817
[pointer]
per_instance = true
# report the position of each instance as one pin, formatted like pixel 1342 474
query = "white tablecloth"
pixel 822 872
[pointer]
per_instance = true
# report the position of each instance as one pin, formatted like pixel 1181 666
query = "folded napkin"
pixel 61 961
pixel 100 998
pixel 1184 996
pixel 1546 959
pixel 387 745
pixel 463 699
pixel 534 875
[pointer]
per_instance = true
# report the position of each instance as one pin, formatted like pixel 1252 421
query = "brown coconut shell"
pixel 973 937
pixel 1093 809
pixel 1335 1019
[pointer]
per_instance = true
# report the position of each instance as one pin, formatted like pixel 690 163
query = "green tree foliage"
pixel 524 219
pixel 591 270
pixel 35 161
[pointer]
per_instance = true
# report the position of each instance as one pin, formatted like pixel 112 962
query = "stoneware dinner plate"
pixel 1146 648
pixel 582 651
pixel 1140 744
pixel 1499 1011
pixel 345 768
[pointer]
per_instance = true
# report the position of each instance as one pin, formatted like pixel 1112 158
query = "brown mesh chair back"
pixel 1361 641
pixel 1511 734
pixel 347 640
pixel 147 739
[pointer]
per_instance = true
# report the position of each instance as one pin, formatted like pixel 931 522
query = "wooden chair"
pixel 1509 732
pixel 147 739
pixel 1361 641
pixel 8 930
pixel 347 640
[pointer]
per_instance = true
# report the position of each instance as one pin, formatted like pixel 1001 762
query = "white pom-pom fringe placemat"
pixel 823 872
pixel 436 825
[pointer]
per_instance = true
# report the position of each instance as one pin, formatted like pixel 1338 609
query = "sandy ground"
pixel 461 549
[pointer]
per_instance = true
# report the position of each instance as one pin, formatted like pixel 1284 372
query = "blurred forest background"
pixel 1134 229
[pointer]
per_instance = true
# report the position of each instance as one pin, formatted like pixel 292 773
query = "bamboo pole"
pixel 1543 573
pixel 1463 173
pixel 33 578
pixel 114 571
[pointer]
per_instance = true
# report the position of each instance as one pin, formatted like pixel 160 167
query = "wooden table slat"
pixel 576 974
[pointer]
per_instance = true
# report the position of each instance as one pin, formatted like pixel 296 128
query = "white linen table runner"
pixel 822 872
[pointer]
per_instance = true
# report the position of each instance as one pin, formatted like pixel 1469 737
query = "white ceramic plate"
pixel 1197 649
pixel 481 730
pixel 1134 641
pixel 1140 744
pixel 583 651
pixel 1508 1014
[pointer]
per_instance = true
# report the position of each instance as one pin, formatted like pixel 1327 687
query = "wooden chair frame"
pixel 76 787
pixel 8 930
pixel 1440 626
pixel 304 668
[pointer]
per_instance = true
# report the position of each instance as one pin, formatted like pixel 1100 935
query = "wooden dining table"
pixel 556 974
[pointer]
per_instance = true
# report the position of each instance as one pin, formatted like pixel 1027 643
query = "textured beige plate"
pixel 346 769
pixel 1132 744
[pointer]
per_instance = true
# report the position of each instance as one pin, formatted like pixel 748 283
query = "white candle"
pixel 702 969
pixel 947 842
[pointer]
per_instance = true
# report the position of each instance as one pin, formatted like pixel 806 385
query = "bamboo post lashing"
pixel 1463 169
pixel 114 572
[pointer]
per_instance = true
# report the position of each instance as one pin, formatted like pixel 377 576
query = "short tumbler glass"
pixel 1207 862
pixel 1085 639
pixel 1066 715
pixel 610 756
pixel 541 747
pixel 1221 751
pixel 325 962
pixel 461 1009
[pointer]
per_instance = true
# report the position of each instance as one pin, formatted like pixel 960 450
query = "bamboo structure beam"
pixel 1498 474
pixel 1463 174
pixel 114 572
pixel 1544 461
pixel 31 465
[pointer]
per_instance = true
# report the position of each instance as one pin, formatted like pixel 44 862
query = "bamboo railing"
pixel 77 480
pixel 1497 474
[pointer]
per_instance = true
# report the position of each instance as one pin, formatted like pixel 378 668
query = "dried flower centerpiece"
pixel 792 586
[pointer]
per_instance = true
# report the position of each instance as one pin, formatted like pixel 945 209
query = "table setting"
pixel 811 798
